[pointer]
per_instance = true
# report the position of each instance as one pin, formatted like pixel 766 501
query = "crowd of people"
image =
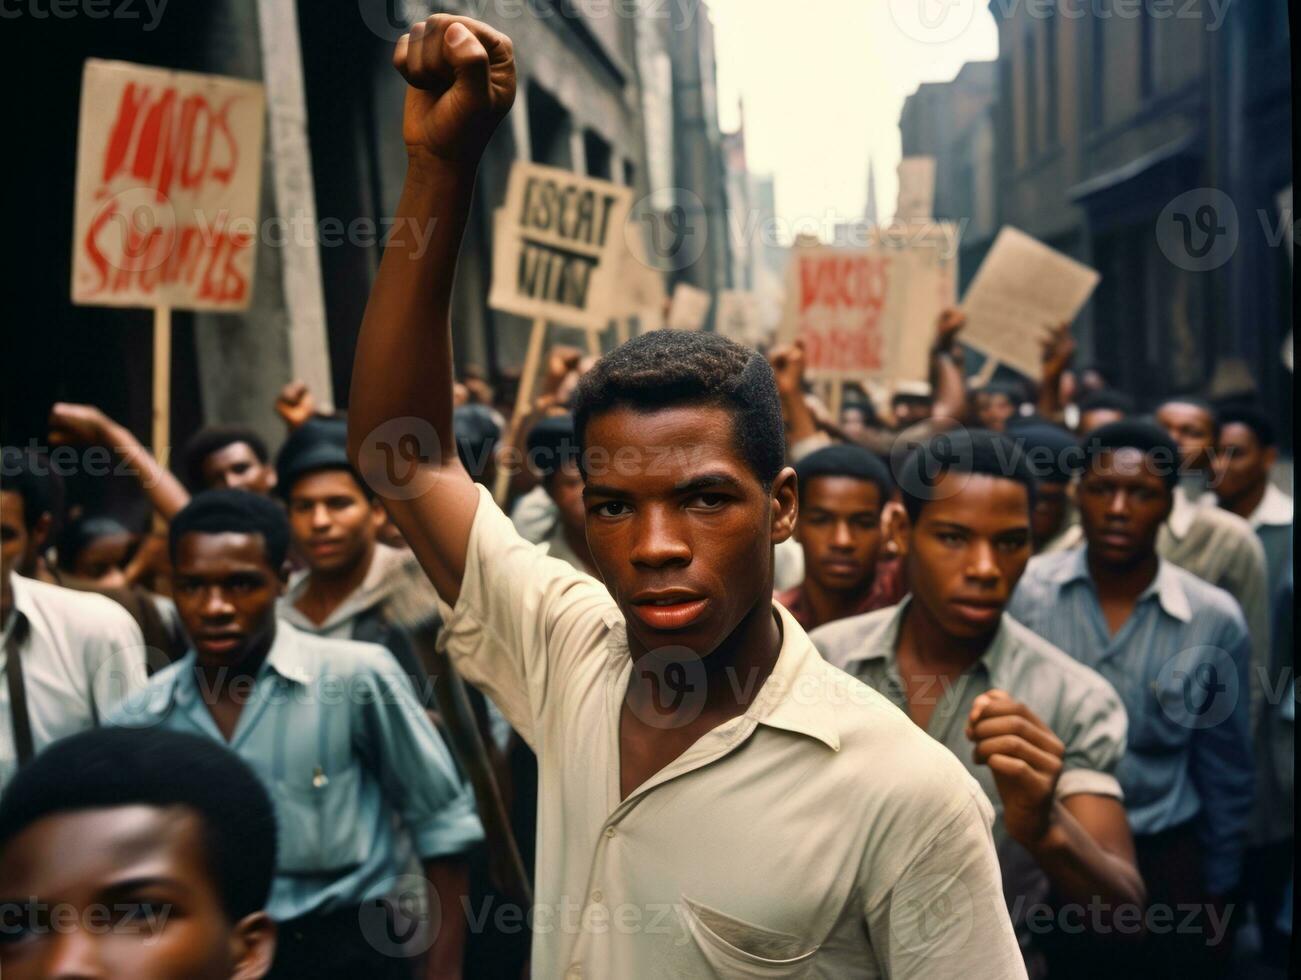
pixel 981 683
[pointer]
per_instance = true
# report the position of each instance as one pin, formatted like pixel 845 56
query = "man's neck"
pixel 6 598
pixel 1127 581
pixel 233 682
pixel 925 643
pixel 829 605
pixel 326 591
pixel 734 672
pixel 1245 504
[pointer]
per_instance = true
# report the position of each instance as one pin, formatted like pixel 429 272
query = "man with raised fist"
pixel 702 809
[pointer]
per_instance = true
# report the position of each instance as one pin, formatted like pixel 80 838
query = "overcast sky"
pixel 824 82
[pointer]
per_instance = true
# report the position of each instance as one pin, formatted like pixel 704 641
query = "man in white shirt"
pixel 66 657
pixel 702 806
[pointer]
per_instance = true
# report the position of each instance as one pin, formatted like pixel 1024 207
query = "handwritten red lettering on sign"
pixel 841 301
pixel 167 188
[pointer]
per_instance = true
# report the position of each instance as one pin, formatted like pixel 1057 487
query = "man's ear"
pixel 253 944
pixel 45 523
pixel 898 529
pixel 785 505
pixel 1271 457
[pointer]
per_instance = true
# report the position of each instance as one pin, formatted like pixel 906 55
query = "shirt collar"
pixel 888 640
pixel 1182 513
pixel 1274 510
pixel 288 657
pixel 1166 587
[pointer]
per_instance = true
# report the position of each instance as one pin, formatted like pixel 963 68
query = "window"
pixel 1098 64
pixel 1031 80
pixel 549 129
pixel 1050 77
pixel 598 153
pixel 1146 59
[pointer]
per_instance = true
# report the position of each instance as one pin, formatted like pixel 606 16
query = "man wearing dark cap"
pixel 1176 649
pixel 1053 455
pixel 1099 408
pixel 553 452
pixel 334 522
pixel 843 491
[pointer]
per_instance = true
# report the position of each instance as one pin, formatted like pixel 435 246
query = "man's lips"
pixel 669 610
pixel 978 610
pixel 842 566
pixel 325 547
pixel 219 642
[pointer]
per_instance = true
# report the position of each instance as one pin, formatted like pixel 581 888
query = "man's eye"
pixel 710 501
pixel 239 469
pixel 612 509
pixel 134 915
pixel 1012 544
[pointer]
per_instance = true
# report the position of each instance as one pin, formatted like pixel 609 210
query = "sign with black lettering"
pixel 559 246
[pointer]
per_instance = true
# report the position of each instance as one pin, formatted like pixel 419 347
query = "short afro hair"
pixel 1107 400
pixel 207 441
pixel 117 767
pixel 1053 454
pixel 842 459
pixel 668 368
pixel 237 512
pixel 30 476
pixel 1255 419
pixel 975 451
pixel 1141 434
pixel 1197 402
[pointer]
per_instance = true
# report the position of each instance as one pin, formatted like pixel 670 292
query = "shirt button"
pixel 609 831
pixel 597 896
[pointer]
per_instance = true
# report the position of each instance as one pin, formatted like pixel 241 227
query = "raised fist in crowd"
pixel 461 78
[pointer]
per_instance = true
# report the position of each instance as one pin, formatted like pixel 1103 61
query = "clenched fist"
pixel 460 75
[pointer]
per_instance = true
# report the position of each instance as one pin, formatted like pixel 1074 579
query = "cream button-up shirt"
pixel 820 834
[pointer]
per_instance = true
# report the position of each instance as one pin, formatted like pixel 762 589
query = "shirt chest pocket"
pixel 736 949
pixel 319 813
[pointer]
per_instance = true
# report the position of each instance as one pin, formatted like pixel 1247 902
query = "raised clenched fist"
pixel 460 75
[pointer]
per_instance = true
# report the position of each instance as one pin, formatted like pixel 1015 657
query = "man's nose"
pixel 657 541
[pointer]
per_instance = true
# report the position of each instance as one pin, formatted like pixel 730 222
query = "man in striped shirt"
pixel 1177 651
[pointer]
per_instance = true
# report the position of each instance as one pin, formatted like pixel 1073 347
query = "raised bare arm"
pixel 460 77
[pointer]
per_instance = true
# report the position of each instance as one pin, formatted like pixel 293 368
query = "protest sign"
pixel 870 312
pixel 739 317
pixel 559 247
pixel 168 174
pixel 916 188
pixel 1021 293
pixel 690 308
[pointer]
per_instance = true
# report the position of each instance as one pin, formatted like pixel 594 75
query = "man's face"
pixel 968 550
pixel 910 411
pixel 1243 464
pixel 104 560
pixel 853 422
pixel 1097 418
pixel 565 487
pixel 1050 503
pixel 1123 503
pixel 15 542
pixel 121 892
pixel 994 410
pixel 1192 427
pixel 840 530
pixel 680 527
pixel 334 526
pixel 236 467
pixel 225 591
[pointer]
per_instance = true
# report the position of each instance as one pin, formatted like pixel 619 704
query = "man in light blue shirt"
pixel 1177 651
pixel 334 730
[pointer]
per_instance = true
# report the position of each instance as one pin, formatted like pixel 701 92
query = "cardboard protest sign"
pixel 870 313
pixel 916 188
pixel 639 289
pixel 559 247
pixel 1022 291
pixel 739 317
pixel 690 308
pixel 168 174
